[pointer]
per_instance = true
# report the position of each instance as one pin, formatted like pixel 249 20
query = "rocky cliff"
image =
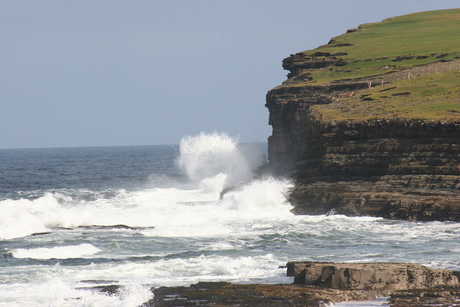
pixel 372 134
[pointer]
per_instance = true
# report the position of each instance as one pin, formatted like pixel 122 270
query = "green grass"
pixel 375 46
pixel 374 49
pixel 435 97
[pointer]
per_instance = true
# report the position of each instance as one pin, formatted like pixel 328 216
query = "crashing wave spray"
pixel 214 159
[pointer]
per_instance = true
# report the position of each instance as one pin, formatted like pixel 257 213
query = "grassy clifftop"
pixel 412 63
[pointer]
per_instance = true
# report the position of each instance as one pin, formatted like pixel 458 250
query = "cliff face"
pixel 394 168
pixel 373 162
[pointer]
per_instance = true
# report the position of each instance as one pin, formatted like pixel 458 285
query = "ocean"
pixel 74 219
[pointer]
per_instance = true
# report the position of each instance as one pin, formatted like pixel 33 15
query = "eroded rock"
pixel 256 295
pixel 391 167
pixel 439 296
pixel 321 283
pixel 370 276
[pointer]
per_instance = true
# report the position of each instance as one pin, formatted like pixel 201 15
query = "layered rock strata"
pixel 254 295
pixel 370 276
pixel 440 296
pixel 390 167
pixel 321 283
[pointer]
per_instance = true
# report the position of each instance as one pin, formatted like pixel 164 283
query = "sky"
pixel 146 72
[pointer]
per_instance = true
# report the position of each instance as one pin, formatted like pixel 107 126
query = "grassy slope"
pixel 435 97
pixel 432 36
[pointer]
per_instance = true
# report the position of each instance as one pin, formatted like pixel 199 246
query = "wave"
pixel 216 161
pixel 160 209
pixel 58 252
pixel 212 162
pixel 57 291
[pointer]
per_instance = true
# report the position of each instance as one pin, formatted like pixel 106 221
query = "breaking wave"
pixel 211 162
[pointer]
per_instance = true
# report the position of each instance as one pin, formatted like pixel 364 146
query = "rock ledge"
pixel 318 284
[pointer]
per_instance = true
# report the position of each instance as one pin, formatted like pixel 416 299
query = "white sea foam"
pixel 71 285
pixel 259 200
pixel 174 208
pixel 213 162
pixel 58 252
pixel 180 271
pixel 23 217
pixel 57 291
pixel 215 157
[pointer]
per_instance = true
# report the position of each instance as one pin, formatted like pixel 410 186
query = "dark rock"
pixel 296 63
pixel 401 94
pixel 403 58
pixel 321 283
pixel 40 233
pixel 255 295
pixel 109 290
pixel 383 166
pixel 439 296
pixel 340 54
pixel 370 276
pixel 393 168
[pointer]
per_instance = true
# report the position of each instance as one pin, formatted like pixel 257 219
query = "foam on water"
pixel 258 200
pixel 23 217
pixel 174 233
pixel 156 207
pixel 58 252
pixel 212 163
pixel 60 292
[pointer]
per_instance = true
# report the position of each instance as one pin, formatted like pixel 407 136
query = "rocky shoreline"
pixel 372 161
pixel 320 284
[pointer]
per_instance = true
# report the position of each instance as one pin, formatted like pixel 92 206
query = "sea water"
pixel 73 219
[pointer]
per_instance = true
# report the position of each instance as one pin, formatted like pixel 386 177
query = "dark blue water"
pixel 29 171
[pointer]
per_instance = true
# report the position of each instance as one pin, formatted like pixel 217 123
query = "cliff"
pixel 369 124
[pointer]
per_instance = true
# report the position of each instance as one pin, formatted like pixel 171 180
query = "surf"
pixel 211 163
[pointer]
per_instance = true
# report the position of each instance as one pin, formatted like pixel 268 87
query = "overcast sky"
pixel 108 73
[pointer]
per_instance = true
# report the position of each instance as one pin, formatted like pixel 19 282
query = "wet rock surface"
pixel 322 283
pixel 370 276
pixel 439 296
pixel 227 294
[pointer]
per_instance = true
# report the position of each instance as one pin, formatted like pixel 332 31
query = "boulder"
pixel 370 276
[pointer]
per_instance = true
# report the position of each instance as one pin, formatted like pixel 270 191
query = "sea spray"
pixel 214 160
pixel 211 162
pixel 260 198
pixel 23 217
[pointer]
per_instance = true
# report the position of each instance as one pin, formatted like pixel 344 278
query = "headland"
pixel 369 124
